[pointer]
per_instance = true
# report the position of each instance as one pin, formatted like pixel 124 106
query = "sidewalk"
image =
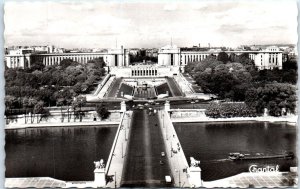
pixel 65 124
pixel 55 120
pixel 115 163
pixel 177 159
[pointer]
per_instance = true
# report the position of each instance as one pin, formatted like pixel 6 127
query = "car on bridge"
pixel 168 179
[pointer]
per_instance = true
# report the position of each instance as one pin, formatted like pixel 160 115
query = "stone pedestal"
pixel 167 106
pixel 99 174
pixel 123 106
pixel 195 176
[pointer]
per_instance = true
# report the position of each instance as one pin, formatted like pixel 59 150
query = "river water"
pixel 212 142
pixel 62 153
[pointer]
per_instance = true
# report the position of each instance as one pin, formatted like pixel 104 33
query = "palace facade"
pixel 112 58
pixel 171 55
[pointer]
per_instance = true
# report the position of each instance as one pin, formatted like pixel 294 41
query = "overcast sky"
pixel 73 24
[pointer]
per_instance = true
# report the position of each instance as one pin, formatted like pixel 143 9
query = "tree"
pixel 229 109
pixel 40 111
pixel 78 103
pixel 98 62
pixel 66 62
pixel 274 97
pixel 223 57
pixel 10 101
pixel 31 103
pixel 243 59
pixel 38 65
pixel 102 111
pixel 60 102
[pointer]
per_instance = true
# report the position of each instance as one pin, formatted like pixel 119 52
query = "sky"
pixel 144 24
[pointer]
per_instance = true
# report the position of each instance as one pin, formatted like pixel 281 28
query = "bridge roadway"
pixel 142 164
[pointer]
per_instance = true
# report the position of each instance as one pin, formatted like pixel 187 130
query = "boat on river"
pixel 240 156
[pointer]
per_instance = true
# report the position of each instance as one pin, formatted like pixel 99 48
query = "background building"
pixel 171 55
pixel 23 58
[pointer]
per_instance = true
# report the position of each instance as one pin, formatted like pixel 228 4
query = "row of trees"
pixel 228 110
pixel 273 96
pixel 241 81
pixel 29 91
pixel 35 111
pixel 53 85
pixel 34 108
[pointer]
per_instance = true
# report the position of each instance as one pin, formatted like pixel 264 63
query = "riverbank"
pixel 292 120
pixel 65 124
pixel 57 120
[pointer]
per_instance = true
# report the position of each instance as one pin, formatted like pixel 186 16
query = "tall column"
pixel 47 60
pixel 43 60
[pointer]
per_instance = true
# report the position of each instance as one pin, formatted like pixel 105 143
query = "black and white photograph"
pixel 150 94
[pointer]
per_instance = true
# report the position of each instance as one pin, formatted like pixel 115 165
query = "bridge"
pixel 136 158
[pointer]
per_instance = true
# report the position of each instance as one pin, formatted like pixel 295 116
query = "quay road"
pixel 142 164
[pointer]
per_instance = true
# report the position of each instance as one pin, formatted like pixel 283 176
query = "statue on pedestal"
pixel 99 164
pixel 194 163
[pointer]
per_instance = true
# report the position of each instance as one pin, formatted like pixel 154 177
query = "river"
pixel 63 153
pixel 212 142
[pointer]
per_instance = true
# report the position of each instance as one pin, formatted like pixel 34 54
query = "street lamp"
pixel 128 117
pixel 122 150
pixel 115 179
pixel 125 133
pixel 171 149
pixel 80 113
pixel 167 132
pixel 193 102
pixel 163 115
pixel 179 181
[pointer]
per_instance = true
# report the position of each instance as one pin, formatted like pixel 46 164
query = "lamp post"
pixel 163 115
pixel 80 113
pixel 171 149
pixel 193 102
pixel 167 132
pixel 179 181
pixel 122 150
pixel 115 179
pixel 127 120
pixel 125 133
